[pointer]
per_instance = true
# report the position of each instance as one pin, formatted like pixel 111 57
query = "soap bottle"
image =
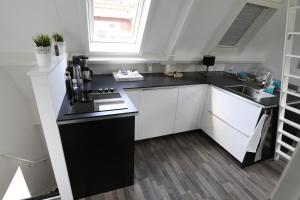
pixel 270 88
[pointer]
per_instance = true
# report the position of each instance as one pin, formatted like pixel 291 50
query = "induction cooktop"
pixel 95 101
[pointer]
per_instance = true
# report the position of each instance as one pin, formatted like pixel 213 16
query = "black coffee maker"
pixel 76 73
pixel 86 72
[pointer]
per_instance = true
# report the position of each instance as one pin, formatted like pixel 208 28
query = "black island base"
pixel 99 154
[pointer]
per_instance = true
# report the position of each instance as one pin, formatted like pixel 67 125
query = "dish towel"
pixel 254 140
pixel 264 134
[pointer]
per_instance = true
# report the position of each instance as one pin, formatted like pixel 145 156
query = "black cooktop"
pixel 88 101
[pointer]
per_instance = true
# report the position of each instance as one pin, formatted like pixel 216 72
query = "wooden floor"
pixel 192 166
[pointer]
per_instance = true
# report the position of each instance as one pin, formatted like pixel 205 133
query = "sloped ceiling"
pixel 20 20
pixel 206 17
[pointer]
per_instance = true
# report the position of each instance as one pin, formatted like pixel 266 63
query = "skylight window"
pixel 117 25
pixel 245 19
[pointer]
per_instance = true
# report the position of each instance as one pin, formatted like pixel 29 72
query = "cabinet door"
pixel 134 96
pixel 190 104
pixel 156 112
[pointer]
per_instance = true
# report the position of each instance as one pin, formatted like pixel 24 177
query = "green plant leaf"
pixel 42 40
pixel 57 37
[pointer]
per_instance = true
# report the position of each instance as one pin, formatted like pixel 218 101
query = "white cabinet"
pixel 229 120
pixel 164 111
pixel 229 138
pixel 134 96
pixel 191 100
pixel 237 112
pixel 157 109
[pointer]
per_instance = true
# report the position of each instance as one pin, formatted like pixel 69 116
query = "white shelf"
pixel 292 76
pixel 292 56
pixel 44 71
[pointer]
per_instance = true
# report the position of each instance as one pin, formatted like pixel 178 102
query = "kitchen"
pixel 183 107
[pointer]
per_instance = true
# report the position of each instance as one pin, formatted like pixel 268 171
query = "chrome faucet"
pixel 268 80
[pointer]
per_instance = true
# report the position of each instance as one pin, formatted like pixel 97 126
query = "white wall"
pixel 20 20
pixel 20 137
pixel 35 16
pixel 206 18
pixel 269 42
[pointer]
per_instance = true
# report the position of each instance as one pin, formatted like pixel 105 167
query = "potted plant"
pixel 42 49
pixel 59 44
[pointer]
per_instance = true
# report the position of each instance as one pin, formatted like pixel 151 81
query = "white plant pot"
pixel 43 56
pixel 61 48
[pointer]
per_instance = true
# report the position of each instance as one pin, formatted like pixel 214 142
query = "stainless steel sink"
pixel 250 92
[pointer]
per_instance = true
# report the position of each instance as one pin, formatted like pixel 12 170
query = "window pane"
pixel 116 20
pixel 241 24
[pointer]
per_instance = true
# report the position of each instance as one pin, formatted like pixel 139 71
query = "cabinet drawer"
pixel 229 138
pixel 240 114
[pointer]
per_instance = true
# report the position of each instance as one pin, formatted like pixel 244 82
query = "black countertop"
pixel 219 79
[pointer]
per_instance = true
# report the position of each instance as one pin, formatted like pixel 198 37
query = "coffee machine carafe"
pixel 87 73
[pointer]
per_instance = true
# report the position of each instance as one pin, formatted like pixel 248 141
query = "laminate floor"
pixel 192 166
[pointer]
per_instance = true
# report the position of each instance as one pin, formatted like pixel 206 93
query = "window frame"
pixel 119 47
pixel 254 28
pixel 243 34
pixel 212 45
